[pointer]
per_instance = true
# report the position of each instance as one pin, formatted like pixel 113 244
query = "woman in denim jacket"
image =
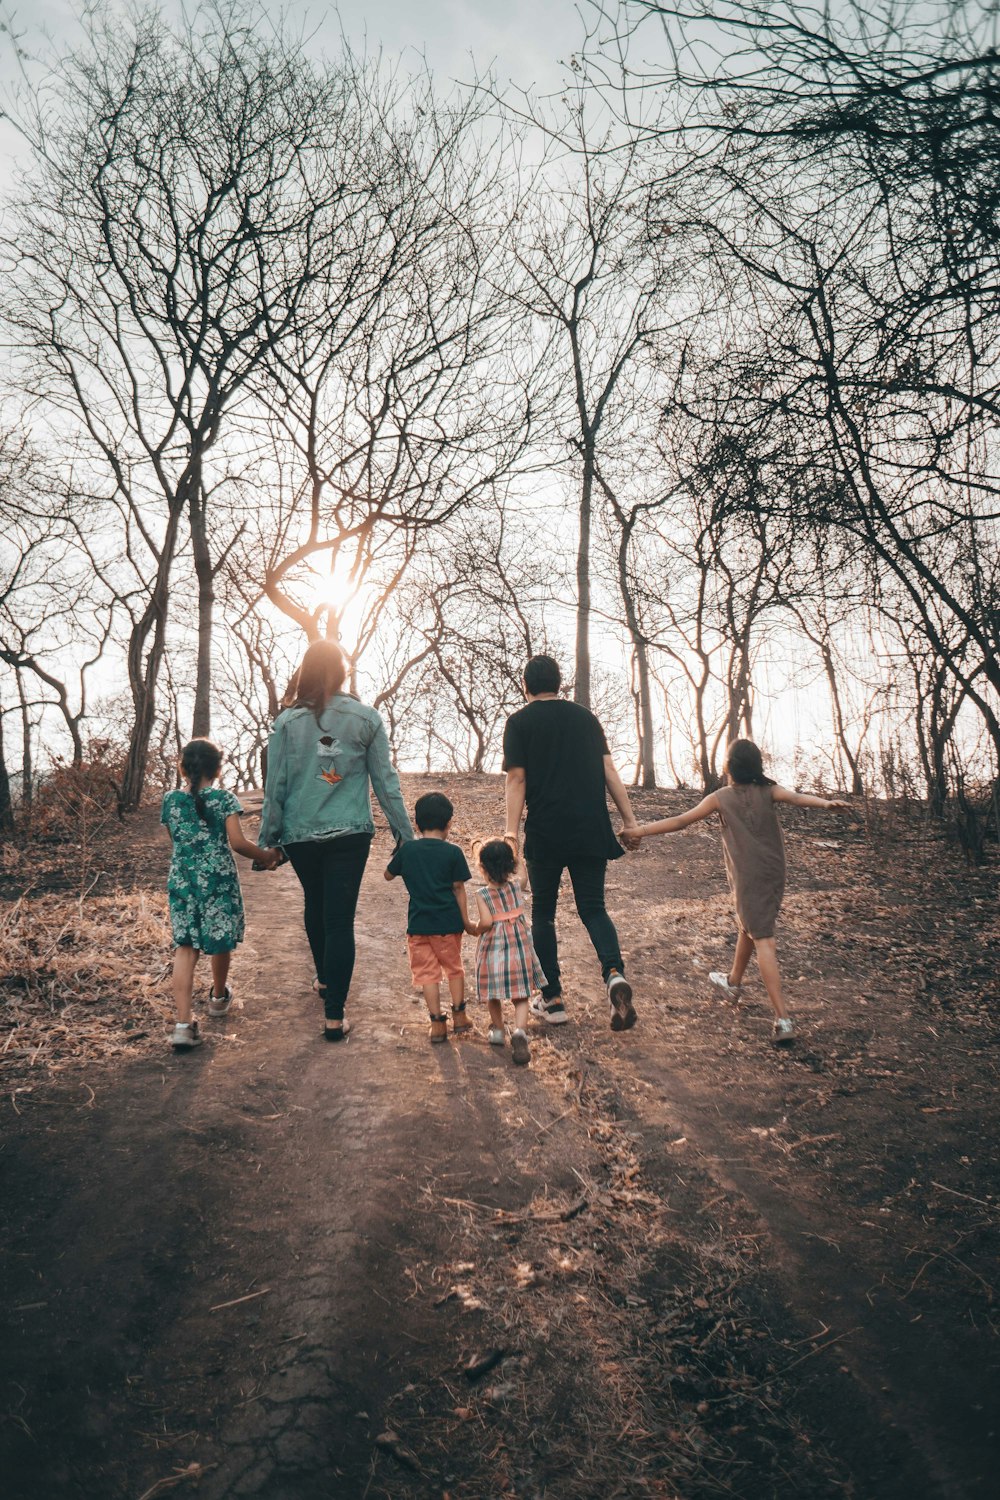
pixel 325 749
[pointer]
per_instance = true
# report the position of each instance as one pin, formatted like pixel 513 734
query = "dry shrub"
pixel 82 979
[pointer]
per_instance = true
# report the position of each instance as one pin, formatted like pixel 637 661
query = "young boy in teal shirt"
pixel 434 872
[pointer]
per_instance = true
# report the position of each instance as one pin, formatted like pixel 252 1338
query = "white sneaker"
pixel 219 1004
pixel 496 1036
pixel 552 1011
pixel 520 1050
pixel 185 1036
pixel 732 992
pixel 783 1032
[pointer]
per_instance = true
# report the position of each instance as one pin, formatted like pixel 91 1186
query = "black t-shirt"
pixel 430 867
pixel 561 748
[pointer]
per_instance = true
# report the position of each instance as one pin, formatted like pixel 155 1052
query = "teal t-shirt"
pixel 430 867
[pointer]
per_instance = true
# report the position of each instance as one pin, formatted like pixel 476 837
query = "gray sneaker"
pixel 185 1037
pixel 520 1051
pixel 623 1016
pixel 219 1004
pixel 782 1033
pixel 732 992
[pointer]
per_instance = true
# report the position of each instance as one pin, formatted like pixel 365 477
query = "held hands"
pixel 270 859
pixel 631 836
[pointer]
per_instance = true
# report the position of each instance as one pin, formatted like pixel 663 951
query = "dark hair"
pixel 496 859
pixel 744 764
pixel 200 761
pixel 322 672
pixel 432 812
pixel 542 675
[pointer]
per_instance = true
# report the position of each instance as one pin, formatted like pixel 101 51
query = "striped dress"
pixel 507 966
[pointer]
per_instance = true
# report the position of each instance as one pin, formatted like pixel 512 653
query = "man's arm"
pixel 514 798
pixel 619 795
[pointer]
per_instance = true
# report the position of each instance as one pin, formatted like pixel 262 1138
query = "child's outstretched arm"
pixel 806 799
pixel 240 844
pixel 704 809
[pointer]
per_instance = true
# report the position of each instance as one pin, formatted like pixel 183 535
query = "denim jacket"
pixel 318 775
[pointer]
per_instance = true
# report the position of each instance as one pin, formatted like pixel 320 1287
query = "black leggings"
pixel 587 876
pixel 330 872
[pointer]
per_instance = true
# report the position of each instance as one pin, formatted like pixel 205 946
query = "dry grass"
pixel 82 978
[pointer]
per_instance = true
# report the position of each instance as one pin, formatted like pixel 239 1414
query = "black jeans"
pixel 330 872
pixel 587 876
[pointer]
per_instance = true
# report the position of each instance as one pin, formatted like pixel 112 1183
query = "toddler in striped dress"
pixel 507 966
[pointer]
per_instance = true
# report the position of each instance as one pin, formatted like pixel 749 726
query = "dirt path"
pixel 691 1267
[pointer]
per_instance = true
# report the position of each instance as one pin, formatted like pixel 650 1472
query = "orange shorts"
pixel 432 956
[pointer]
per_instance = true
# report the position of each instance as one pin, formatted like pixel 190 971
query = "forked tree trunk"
pixel 144 665
pixel 581 684
pixel 201 721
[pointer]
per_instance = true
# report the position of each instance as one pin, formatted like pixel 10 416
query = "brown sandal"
pixel 460 1022
pixel 439 1028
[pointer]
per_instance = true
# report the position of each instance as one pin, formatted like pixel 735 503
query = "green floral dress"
pixel 206 907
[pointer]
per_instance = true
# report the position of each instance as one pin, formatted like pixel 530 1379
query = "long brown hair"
pixel 201 761
pixel 322 672
pixel 745 765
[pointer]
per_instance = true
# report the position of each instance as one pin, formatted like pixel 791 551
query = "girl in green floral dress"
pixel 206 907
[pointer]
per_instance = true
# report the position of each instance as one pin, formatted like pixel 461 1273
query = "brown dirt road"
pixel 692 1266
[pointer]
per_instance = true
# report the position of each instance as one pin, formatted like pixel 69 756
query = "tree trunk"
pixel 581 686
pixel 646 767
pixel 857 785
pixel 144 668
pixel 27 775
pixel 201 722
pixel 6 804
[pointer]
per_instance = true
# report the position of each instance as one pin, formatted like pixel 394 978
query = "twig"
pixel 956 1194
pixel 237 1300
pixel 192 1471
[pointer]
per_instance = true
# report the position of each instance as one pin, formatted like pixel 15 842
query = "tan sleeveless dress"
pixel 754 850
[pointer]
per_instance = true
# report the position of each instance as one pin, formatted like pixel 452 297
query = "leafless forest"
pixel 687 373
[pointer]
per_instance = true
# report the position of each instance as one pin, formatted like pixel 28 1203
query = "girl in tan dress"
pixel 754 852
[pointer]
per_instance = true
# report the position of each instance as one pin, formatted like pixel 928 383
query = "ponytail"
pixel 200 762
pixel 745 764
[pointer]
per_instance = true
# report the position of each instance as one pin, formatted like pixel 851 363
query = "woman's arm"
pixel 240 844
pixel 705 808
pixel 806 799
pixel 272 812
pixel 382 774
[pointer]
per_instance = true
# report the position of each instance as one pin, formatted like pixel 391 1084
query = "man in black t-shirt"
pixel 557 762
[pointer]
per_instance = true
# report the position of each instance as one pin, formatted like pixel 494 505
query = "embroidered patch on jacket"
pixel 327 748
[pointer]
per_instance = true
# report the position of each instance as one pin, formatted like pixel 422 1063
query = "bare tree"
pixel 594 281
pixel 843 166
pixel 180 205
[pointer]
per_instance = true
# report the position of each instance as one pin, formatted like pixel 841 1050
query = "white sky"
pixel 524 38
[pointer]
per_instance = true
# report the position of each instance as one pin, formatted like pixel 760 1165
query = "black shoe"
pixel 623 1016
pixel 552 1011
